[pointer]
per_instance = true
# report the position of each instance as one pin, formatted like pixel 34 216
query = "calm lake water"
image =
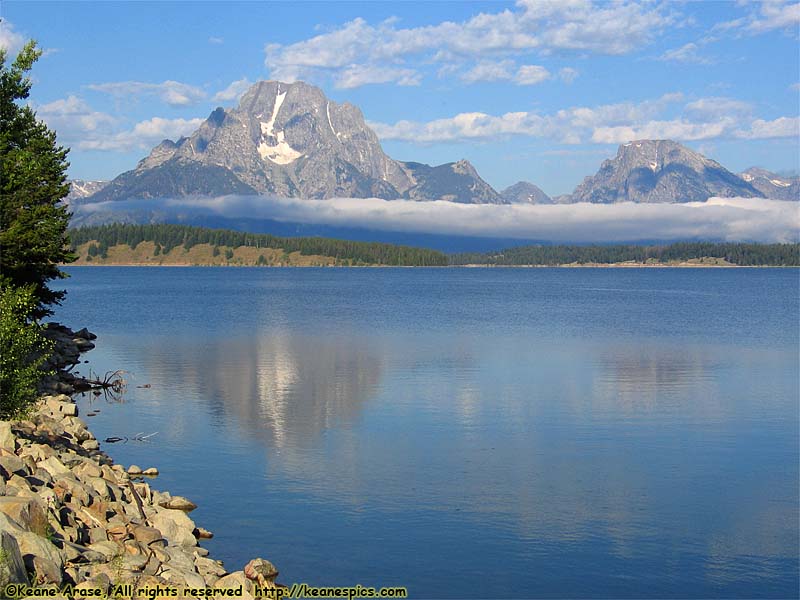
pixel 467 433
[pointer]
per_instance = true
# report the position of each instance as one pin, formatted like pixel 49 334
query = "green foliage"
pixel 33 225
pixel 261 262
pixel 172 236
pixel 23 350
pixel 215 252
pixel 735 253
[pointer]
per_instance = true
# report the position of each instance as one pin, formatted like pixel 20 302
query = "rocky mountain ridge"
pixel 290 140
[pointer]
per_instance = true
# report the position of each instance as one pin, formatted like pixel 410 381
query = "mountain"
pixel 80 189
pixel 291 141
pixel 772 185
pixel 524 192
pixel 454 182
pixel 660 171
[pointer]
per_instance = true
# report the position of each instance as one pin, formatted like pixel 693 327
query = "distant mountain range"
pixel 289 140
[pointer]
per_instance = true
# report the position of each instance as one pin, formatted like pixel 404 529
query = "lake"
pixel 467 433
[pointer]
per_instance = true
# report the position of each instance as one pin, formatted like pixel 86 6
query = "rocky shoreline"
pixel 73 524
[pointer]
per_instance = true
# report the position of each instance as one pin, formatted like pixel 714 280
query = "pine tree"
pixel 33 181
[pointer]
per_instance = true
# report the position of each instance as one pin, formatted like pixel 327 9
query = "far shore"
pixel 625 265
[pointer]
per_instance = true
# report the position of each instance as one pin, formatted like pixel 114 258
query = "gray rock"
pixel 289 140
pixel 524 192
pixel 12 568
pixel 772 185
pixel 658 171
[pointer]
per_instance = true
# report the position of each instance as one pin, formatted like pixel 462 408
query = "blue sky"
pixel 532 90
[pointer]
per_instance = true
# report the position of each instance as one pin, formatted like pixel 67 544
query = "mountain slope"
pixel 291 141
pixel 524 192
pixel 656 171
pixel 771 185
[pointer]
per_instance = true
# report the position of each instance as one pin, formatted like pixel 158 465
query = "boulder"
pixel 175 526
pixel 178 503
pixel 27 512
pixel 12 569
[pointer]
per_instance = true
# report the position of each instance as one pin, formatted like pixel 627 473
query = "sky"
pixel 530 90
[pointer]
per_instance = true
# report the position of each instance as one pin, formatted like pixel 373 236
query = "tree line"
pixel 168 236
pixel 743 254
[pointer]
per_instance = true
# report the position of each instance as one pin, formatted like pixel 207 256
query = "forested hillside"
pixel 165 238
pixel 683 252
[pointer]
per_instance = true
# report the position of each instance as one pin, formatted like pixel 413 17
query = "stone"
pixel 236 580
pixel 97 534
pixel 134 470
pixel 108 549
pixel 207 566
pixel 12 568
pixel 90 445
pixel 148 535
pixel 55 467
pixel 150 472
pixel 260 570
pixel 10 465
pixel 202 534
pixel 7 438
pixel 178 503
pixel 175 526
pixel 46 571
pixel 27 512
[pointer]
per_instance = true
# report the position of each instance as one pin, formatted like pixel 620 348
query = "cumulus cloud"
pixel 488 70
pixel 571 125
pixel 234 91
pixel 701 119
pixel 358 75
pixel 541 26
pixel 531 75
pixel 75 120
pixel 10 40
pixel 728 219
pixel 768 15
pixel 143 135
pixel 171 92
pixel 686 54
pixel 568 74
pixel 782 127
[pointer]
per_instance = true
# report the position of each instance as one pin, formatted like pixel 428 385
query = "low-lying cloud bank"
pixel 727 219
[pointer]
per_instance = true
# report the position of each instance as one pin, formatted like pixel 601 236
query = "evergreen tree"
pixel 33 181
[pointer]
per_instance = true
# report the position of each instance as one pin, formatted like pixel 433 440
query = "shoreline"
pixel 73 523
pixel 466 266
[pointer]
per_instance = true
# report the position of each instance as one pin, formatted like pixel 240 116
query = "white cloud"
pixel 782 127
pixel 487 70
pixel 568 74
pixel 686 54
pixel 570 126
pixel 701 119
pixel 143 135
pixel 795 87
pixel 233 92
pixel 73 119
pixel 768 15
pixel 358 75
pixel 730 219
pixel 717 107
pixel 216 40
pixel 10 40
pixel 604 28
pixel 675 129
pixel 531 75
pixel 173 93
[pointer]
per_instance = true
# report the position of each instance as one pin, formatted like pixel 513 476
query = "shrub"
pixel 23 350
